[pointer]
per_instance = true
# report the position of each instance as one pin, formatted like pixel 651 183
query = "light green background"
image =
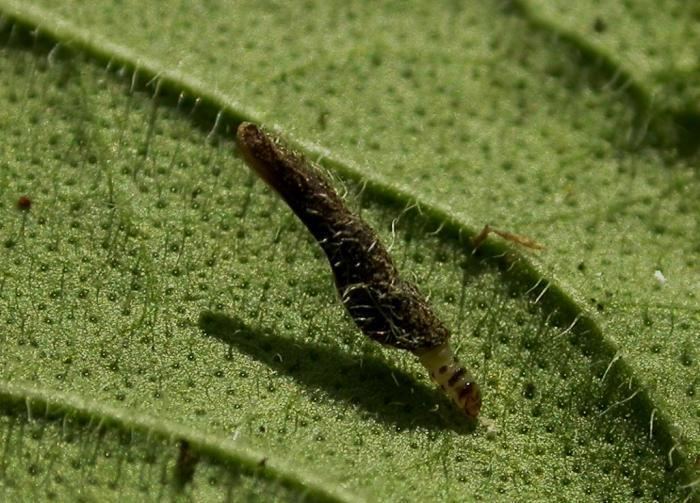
pixel 157 291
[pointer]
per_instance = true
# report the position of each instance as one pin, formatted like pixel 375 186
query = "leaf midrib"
pixel 40 402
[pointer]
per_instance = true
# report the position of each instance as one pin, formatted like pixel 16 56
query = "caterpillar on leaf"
pixel 384 306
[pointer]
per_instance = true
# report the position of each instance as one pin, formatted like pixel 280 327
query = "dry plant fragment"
pixel 515 238
pixel 24 203
pixel 384 306
pixel 185 465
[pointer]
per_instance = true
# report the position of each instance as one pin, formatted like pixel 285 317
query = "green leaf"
pixel 156 295
pixel 655 48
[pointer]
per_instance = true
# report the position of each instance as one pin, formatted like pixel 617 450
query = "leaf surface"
pixel 155 275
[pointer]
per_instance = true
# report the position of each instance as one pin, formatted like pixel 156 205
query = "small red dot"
pixel 24 203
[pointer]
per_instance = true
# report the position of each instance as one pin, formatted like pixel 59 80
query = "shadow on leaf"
pixel 387 394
